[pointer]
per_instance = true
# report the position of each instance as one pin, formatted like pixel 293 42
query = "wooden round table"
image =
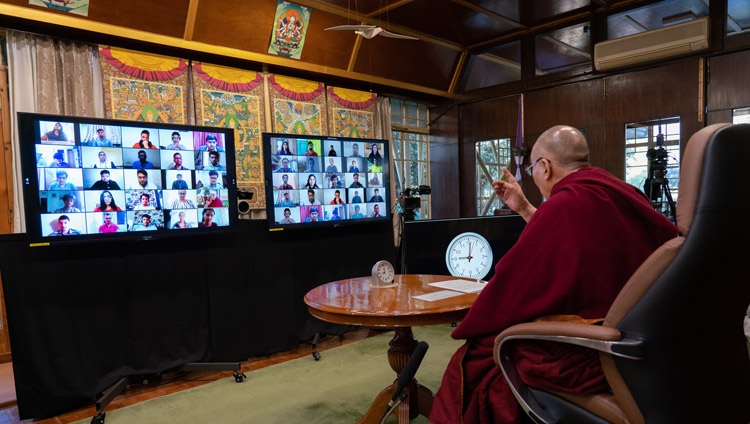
pixel 354 302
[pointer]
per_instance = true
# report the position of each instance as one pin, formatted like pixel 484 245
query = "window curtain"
pixel 47 75
pixel 384 131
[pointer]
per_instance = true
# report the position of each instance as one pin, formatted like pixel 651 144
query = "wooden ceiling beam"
pixel 156 43
pixel 459 72
pixel 388 8
pixel 368 20
pixel 190 20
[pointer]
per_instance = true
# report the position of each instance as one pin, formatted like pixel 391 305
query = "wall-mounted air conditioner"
pixel 652 45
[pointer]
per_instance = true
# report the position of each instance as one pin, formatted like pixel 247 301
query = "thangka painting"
pixel 233 98
pixel 299 106
pixel 352 112
pixel 78 7
pixel 290 28
pixel 143 87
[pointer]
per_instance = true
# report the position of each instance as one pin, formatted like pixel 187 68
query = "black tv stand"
pixel 112 391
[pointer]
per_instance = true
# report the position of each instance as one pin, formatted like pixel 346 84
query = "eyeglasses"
pixel 530 168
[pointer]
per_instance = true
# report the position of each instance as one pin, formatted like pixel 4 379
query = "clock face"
pixel 469 255
pixel 383 272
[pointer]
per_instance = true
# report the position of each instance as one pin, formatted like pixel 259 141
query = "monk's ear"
pixel 546 168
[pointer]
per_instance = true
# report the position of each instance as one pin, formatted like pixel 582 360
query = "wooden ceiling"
pixel 463 46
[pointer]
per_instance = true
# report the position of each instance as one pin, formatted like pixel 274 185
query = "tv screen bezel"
pixel 29 135
pixel 322 143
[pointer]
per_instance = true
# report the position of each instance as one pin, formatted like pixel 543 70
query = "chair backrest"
pixel 687 301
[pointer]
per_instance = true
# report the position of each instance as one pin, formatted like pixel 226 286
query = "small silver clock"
pixel 382 274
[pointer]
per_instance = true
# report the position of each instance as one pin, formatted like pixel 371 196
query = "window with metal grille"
pixel 491 157
pixel 411 153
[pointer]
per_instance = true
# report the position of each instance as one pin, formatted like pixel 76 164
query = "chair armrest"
pixel 604 339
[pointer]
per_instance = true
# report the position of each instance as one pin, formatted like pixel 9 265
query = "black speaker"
pixel 244 202
pixel 243 207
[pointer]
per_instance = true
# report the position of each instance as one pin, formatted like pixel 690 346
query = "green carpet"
pixel 337 389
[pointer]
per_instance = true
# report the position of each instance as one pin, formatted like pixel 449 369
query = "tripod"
pixel 657 189
pixel 407 215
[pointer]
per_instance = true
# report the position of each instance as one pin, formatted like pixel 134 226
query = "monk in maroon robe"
pixel 577 251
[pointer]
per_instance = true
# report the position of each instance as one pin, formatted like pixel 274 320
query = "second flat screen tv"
pixel 318 181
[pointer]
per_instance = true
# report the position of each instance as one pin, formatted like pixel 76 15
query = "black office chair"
pixel 672 345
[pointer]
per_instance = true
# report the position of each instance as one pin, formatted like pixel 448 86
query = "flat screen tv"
pixel 103 179
pixel 319 181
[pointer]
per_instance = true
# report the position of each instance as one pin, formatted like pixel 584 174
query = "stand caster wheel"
pixel 99 418
pixel 238 377
pixel 316 356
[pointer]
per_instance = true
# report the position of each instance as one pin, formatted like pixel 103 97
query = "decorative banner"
pixel 298 105
pixel 134 100
pixel 289 32
pixel 356 117
pixel 134 88
pixel 78 7
pixel 233 98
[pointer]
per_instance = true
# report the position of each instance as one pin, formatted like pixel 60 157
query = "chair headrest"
pixel 691 167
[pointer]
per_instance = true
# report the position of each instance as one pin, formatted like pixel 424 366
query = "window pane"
pixel 652 152
pixel 491 157
pixel 741 116
pixel 411 149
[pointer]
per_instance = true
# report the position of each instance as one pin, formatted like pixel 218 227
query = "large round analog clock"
pixel 469 255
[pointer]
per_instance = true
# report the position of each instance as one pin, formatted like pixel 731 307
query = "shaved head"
pixel 564 145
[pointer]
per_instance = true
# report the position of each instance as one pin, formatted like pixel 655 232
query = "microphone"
pixel 410 370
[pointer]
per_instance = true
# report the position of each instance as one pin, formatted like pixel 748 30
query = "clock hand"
pixel 471 247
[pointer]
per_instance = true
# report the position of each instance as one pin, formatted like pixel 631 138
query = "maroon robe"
pixel 573 257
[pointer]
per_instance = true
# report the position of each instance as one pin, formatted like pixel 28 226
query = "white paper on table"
pixel 464 286
pixel 442 294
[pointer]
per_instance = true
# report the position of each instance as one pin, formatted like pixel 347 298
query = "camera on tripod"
pixel 656 186
pixel 657 159
pixel 409 203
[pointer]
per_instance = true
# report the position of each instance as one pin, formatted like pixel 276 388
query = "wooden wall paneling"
pixel 164 17
pixel 580 105
pixel 237 24
pixel 444 164
pixel 489 119
pixel 728 85
pixel 670 90
pixel 445 181
pixel 718 116
pixel 614 145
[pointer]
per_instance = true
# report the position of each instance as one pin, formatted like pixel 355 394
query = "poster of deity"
pixel 352 123
pixel 144 87
pixel 241 112
pixel 78 7
pixel 352 112
pixel 233 98
pixel 294 117
pixel 289 31
pixel 135 100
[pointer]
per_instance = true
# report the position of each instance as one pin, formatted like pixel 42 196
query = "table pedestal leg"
pixel 419 400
